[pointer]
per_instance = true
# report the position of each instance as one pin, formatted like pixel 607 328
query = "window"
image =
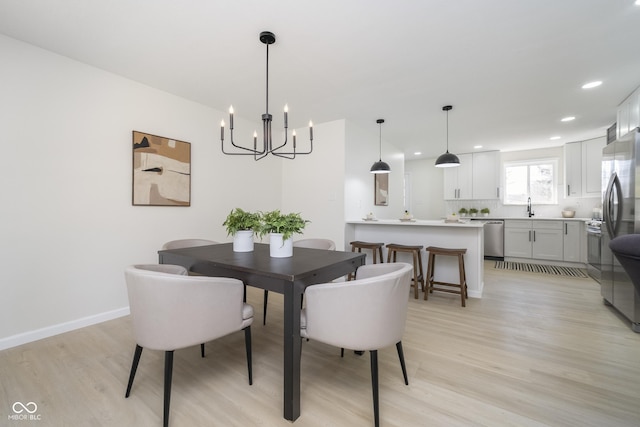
pixel 533 178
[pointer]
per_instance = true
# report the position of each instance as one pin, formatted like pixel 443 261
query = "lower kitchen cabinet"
pixel 542 239
pixel 571 241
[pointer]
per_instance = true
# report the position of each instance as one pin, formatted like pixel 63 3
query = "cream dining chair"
pixel 187 243
pixel 325 244
pixel 368 313
pixel 171 310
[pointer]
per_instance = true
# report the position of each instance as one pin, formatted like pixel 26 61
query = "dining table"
pixel 288 276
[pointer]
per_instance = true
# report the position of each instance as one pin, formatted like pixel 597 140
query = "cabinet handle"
pixel 568 189
pixel 498 192
pixel 534 235
pixel 529 235
pixel 565 228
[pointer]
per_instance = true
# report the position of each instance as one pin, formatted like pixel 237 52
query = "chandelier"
pixel 267 38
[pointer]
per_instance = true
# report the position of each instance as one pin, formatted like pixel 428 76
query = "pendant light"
pixel 380 166
pixel 447 160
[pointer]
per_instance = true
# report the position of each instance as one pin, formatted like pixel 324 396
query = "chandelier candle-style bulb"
pixel 267 145
pixel 286 116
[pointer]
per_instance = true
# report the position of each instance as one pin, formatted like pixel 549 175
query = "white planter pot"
pixel 278 248
pixel 243 241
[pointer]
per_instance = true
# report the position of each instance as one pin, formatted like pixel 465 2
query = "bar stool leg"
pixel 416 291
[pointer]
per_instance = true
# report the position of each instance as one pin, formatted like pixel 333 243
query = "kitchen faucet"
pixel 529 210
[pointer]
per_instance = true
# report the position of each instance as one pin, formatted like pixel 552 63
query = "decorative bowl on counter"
pixel 568 214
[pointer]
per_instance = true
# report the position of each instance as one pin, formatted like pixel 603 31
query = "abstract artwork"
pixel 161 171
pixel 381 182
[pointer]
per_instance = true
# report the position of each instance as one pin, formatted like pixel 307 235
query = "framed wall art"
pixel 161 171
pixel 381 188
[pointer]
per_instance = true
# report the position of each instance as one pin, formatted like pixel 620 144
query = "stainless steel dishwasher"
pixel 493 239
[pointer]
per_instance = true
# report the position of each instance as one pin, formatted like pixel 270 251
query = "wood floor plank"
pixel 536 350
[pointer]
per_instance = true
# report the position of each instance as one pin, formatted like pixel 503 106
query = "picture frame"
pixel 381 189
pixel 161 171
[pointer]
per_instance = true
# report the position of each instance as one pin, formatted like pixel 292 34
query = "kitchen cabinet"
pixel 486 175
pixel 458 180
pixel 517 238
pixel 573 169
pixel 628 114
pixel 582 168
pixel 534 239
pixel 571 241
pixel 477 177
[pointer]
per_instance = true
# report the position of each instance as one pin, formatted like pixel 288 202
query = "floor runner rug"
pixel 539 268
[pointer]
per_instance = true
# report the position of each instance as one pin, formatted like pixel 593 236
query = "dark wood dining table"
pixel 287 276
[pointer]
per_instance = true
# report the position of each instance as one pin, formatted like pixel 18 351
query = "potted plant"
pixel 281 228
pixel 485 211
pixel 462 211
pixel 473 211
pixel 241 225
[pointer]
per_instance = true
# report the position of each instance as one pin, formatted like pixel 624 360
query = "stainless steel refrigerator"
pixel 621 200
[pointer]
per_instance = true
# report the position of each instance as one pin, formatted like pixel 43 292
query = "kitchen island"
pixel 466 234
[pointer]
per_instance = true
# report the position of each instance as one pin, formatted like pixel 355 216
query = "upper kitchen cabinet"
pixel 458 180
pixel 582 166
pixel 486 175
pixel 628 114
pixel 477 177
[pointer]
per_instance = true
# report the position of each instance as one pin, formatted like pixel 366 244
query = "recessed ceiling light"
pixel 417 153
pixel 567 119
pixel 477 146
pixel 637 2
pixel 553 138
pixel 592 84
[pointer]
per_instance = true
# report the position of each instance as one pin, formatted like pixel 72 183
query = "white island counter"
pixel 468 235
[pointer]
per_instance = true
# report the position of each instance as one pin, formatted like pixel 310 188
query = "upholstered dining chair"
pixel 187 243
pixel 326 244
pixel 368 313
pixel 171 310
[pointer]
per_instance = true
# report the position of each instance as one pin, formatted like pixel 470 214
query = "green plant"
pixel 239 220
pixel 485 210
pixel 462 211
pixel 287 224
pixel 473 211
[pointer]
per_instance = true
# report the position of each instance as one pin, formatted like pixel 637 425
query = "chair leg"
pixel 264 307
pixel 202 350
pixel 168 372
pixel 134 367
pixel 341 351
pixel 247 344
pixel 401 357
pixel 374 385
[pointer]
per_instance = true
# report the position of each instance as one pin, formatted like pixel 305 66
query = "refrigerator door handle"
pixel 613 192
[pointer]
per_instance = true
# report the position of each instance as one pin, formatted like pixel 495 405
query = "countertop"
pixel 534 218
pixel 464 223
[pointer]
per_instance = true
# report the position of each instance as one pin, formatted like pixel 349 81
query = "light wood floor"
pixel 536 350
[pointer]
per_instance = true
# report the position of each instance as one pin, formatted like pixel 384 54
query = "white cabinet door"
pixel 547 244
pixel 592 167
pixel 458 180
pixel 517 238
pixel 486 175
pixel 571 240
pixel 573 169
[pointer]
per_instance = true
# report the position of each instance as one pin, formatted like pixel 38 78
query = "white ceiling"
pixel 510 68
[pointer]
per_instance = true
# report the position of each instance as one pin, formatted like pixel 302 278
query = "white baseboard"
pixel 49 331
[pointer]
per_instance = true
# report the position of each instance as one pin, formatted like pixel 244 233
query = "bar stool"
pixel 376 249
pixel 462 286
pixel 416 253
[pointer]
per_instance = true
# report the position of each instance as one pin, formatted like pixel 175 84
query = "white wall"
pixel 314 185
pixel 427 189
pixel 362 150
pixel 68 227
